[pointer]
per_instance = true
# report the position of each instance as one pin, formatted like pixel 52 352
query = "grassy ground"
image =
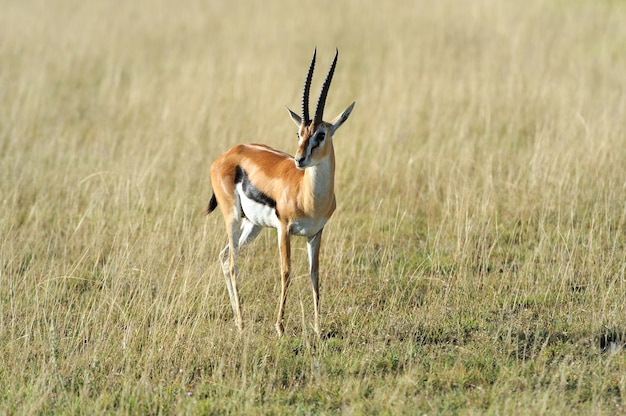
pixel 476 262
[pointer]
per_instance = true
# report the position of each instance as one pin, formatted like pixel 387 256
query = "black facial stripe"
pixel 251 191
pixel 317 140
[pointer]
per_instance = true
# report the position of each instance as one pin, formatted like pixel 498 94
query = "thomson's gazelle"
pixel 256 186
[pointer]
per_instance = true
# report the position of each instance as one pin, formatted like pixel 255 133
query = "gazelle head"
pixel 315 136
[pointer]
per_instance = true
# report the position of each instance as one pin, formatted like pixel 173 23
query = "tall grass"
pixel 476 262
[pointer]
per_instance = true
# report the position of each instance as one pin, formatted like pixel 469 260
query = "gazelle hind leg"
pixel 247 233
pixel 229 267
pixel 239 236
pixel 225 259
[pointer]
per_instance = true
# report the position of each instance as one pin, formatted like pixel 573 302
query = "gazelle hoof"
pixel 280 329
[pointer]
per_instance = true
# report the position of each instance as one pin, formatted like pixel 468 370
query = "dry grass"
pixel 476 263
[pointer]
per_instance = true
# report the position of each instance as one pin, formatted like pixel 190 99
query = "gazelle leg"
pixel 313 249
pixel 284 246
pixel 229 264
pixel 225 260
pixel 249 232
pixel 238 237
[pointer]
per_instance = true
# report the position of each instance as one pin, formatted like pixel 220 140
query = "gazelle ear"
pixel 341 118
pixel 296 118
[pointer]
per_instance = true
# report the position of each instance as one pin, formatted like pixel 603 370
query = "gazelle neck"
pixel 319 184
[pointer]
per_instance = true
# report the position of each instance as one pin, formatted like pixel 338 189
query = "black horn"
pixel 319 110
pixel 307 88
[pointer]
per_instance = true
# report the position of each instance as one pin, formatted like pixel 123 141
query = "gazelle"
pixel 256 186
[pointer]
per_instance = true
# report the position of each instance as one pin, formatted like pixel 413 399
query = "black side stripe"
pixel 252 191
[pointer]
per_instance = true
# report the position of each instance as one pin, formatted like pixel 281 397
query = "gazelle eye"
pixel 321 136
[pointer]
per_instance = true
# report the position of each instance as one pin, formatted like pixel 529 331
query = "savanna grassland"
pixel 476 262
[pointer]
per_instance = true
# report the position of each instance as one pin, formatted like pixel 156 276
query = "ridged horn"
pixel 305 93
pixel 319 110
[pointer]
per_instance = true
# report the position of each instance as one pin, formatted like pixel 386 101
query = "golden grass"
pixel 476 262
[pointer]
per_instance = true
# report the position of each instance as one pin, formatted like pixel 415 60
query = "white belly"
pixel 257 213
pixel 265 216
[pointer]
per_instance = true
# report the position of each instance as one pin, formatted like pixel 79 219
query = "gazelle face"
pixel 314 144
pixel 315 136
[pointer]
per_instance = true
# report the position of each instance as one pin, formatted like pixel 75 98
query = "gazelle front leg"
pixel 284 246
pixel 313 245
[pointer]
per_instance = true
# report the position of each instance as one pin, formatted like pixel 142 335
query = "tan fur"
pixel 302 187
pixel 276 175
